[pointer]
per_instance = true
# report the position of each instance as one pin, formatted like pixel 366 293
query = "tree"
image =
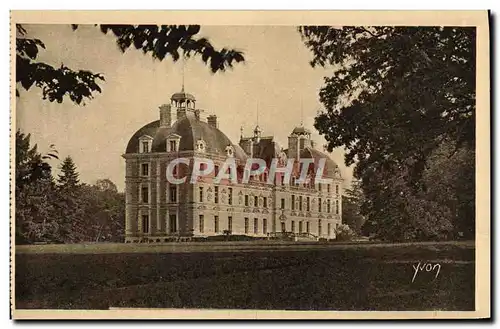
pixel 33 192
pixel 68 178
pixel 158 41
pixel 395 96
pixel 352 199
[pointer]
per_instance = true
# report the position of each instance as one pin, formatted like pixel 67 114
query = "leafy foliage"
pixel 159 42
pixel 344 233
pixel 396 96
pixel 352 199
pixel 65 212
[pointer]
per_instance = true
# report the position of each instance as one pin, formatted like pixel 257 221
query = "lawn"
pixel 249 276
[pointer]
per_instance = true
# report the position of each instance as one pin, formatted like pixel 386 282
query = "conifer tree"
pixel 68 178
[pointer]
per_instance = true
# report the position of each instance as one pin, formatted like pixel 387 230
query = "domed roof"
pixel 180 96
pixel 191 130
pixel 331 168
pixel 301 130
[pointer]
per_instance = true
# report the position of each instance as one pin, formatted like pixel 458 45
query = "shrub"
pixel 344 233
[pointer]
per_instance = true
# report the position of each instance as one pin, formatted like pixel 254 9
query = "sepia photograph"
pixel 256 164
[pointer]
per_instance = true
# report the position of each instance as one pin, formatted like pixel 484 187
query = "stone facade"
pixel 157 210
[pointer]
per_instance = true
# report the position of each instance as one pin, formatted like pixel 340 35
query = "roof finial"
pixel 183 64
pixel 241 131
pixel 301 113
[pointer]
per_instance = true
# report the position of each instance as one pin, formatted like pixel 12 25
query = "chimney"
pixel 212 120
pixel 165 115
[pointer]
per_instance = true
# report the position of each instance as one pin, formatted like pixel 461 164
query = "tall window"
pixel 293 202
pixel 246 224
pixel 300 202
pixel 145 147
pixel 337 189
pixel 264 226
pixel 300 227
pixel 230 223
pixel 329 229
pixel 319 204
pixel 255 201
pixel 145 194
pixel 265 202
pixel 230 198
pixel 308 205
pixel 173 223
pixel 173 193
pixel 216 194
pixel 202 223
pixel 328 206
pixel 246 200
pixel 328 188
pixel 282 179
pixel 145 169
pixel 319 187
pixel 216 224
pixel 319 227
pixel 216 170
pixel 308 228
pixel 282 203
pixel 337 207
pixel 201 194
pixel 145 223
pixel 283 227
pixel 255 225
pixel 293 226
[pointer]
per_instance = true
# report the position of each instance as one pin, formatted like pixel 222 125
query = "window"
pixel 173 223
pixel 216 194
pixel 145 169
pixel 307 227
pixel 230 197
pixel 319 187
pixel 255 225
pixel 145 147
pixel 319 204
pixel 283 227
pixel 246 225
pixel 300 227
pixel 145 223
pixel 283 180
pixel 264 226
pixel 145 194
pixel 328 206
pixel 293 202
pixel 173 193
pixel 255 201
pixel 329 229
pixel 173 146
pixel 201 194
pixel 336 207
pixel 282 203
pixel 274 225
pixel 216 224
pixel 230 223
pixel 246 200
pixel 200 146
pixel 203 166
pixel 300 202
pixel 336 189
pixel 293 180
pixel 336 226
pixel 202 223
pixel 308 205
pixel 293 226
pixel 319 227
pixel 265 202
pixel 216 170
pixel 328 188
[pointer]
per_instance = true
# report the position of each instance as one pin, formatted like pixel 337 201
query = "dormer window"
pixel 200 145
pixel 173 142
pixel 145 143
pixel 229 151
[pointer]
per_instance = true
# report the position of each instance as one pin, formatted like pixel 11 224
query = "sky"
pixel 276 81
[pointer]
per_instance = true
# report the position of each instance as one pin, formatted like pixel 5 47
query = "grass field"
pixel 246 275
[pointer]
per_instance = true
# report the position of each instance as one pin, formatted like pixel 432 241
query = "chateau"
pixel 157 210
